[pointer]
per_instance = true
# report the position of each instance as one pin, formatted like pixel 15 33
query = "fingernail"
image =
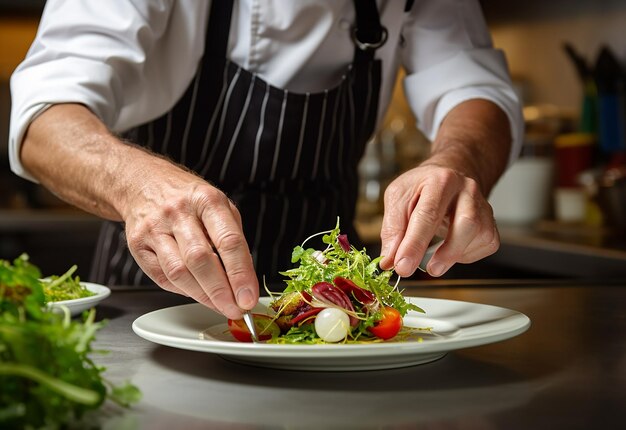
pixel 405 266
pixel 245 299
pixel 437 269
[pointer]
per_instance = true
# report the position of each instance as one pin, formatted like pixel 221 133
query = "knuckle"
pixel 238 275
pixel 390 190
pixel 413 246
pixel 162 280
pixel 493 247
pixel 469 222
pixel 208 196
pixel 140 230
pixel 174 270
pixel 428 213
pixel 445 176
pixel 219 294
pixel 414 249
pixel 391 194
pixel 487 250
pixel 388 231
pixel 490 243
pixel 135 240
pixel 493 242
pixel 173 207
pixel 451 255
pixel 196 255
pixel 473 188
pixel 229 241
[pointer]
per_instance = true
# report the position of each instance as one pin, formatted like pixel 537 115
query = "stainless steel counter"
pixel 567 372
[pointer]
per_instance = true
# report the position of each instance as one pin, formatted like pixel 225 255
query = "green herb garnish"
pixel 65 287
pixel 47 378
pixel 339 259
pixel 352 264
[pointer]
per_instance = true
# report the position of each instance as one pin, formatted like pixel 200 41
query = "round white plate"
pixel 454 324
pixel 76 306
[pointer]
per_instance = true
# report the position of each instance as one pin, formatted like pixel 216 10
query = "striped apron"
pixel 288 160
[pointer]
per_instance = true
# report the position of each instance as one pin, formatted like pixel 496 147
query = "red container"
pixel 573 155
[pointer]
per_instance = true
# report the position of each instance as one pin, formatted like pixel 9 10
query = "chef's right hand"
pixel 184 233
pixel 187 236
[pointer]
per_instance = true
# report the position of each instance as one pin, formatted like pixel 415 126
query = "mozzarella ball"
pixel 332 325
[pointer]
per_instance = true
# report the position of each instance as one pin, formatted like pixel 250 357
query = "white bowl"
pixel 76 306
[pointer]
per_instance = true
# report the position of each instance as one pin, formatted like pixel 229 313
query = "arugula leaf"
pixel 297 254
pixel 303 334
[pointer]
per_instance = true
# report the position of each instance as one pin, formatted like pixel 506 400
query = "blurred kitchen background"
pixel 561 207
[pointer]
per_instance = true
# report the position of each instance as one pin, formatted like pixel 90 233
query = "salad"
pixel 64 287
pixel 335 295
pixel 47 377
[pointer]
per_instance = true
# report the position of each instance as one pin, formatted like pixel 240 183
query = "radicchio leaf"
pixel 327 293
pixel 343 242
pixel 351 289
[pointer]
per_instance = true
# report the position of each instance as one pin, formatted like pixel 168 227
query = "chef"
pixel 216 135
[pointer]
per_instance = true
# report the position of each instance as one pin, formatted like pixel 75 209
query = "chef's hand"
pixel 187 236
pixel 446 196
pixel 431 201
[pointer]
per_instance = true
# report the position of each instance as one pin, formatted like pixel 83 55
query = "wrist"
pixel 135 175
pixel 474 140
pixel 458 157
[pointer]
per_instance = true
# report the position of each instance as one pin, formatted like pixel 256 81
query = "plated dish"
pixel 76 306
pixel 453 325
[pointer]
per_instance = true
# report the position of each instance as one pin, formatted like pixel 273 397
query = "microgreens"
pixel 340 259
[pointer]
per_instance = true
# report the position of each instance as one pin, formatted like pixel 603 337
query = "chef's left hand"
pixel 446 196
pixel 430 201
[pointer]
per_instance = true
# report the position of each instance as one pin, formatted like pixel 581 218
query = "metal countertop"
pixel 568 371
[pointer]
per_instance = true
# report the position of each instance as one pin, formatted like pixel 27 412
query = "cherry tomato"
pixel 389 325
pixel 266 328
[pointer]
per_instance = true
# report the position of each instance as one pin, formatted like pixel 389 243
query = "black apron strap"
pixel 368 34
pixel 216 42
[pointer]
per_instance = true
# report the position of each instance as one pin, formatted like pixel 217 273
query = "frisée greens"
pixel 347 262
pixel 65 287
pixel 342 277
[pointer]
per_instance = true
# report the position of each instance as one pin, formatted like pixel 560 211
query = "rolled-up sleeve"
pixel 449 58
pixel 117 58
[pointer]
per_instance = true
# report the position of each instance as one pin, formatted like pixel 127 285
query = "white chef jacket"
pixel 130 61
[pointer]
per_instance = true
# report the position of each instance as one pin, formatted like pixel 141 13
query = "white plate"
pixel 455 325
pixel 76 306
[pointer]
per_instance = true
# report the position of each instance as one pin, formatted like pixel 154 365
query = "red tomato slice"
pixel 266 328
pixel 389 325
